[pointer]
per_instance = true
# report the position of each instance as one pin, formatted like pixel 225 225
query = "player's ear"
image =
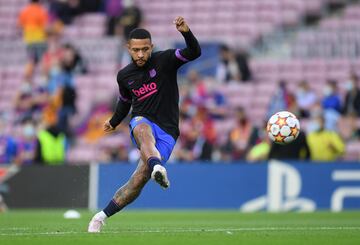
pixel 128 46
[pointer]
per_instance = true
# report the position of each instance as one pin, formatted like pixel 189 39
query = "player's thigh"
pixel 143 134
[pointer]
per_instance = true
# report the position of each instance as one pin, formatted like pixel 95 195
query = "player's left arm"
pixel 192 50
pixel 122 108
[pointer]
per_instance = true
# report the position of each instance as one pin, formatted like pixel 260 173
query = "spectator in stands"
pixel 216 102
pixel 352 98
pixel 27 143
pixel 197 142
pixel 243 64
pixel 187 107
pixel 113 153
pixel 331 105
pixel 331 100
pixel 260 150
pixel 8 147
pixel 91 6
pixel 92 128
pixel 199 89
pixel 129 19
pixel 51 59
pixel 66 10
pixel 33 19
pixel 348 128
pixel 204 92
pixel 233 66
pixel 51 146
pixel 208 134
pixel 186 149
pixel 67 62
pixel 305 98
pixel 193 92
pixel 239 137
pixel 24 101
pixel 30 101
pixel 324 145
pixel 113 9
pixel 67 109
pixel 293 105
pixel 63 63
pixel 297 150
pixel 40 99
pixel 280 100
pixel 72 61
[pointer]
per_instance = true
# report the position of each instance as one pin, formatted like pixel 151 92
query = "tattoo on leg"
pixel 132 189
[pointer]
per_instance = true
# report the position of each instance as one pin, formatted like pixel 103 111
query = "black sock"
pixel 152 161
pixel 112 208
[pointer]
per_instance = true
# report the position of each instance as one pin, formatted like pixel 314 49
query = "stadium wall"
pixel 45 187
pixel 275 186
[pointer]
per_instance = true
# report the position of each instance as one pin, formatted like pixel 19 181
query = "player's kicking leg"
pixel 146 142
pixel 131 190
pixel 124 196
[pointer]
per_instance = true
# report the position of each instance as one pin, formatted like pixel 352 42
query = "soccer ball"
pixel 283 127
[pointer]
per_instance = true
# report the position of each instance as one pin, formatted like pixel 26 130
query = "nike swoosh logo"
pixel 131 82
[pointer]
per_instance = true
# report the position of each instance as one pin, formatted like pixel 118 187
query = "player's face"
pixel 140 50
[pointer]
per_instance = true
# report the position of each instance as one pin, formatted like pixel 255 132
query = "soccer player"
pixel 149 85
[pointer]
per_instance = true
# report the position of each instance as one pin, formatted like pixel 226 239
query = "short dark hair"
pixel 139 33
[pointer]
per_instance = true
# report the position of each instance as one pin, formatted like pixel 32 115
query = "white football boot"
pixel 159 174
pixel 95 225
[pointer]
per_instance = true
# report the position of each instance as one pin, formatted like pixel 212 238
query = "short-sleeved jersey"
pixel 34 19
pixel 152 89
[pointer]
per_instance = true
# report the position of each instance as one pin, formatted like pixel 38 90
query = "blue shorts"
pixel 164 142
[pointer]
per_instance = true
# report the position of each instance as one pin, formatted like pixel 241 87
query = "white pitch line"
pixel 15 229
pixel 41 233
pixel 324 228
pixel 239 229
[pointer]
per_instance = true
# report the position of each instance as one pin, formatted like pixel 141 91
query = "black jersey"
pixel 152 90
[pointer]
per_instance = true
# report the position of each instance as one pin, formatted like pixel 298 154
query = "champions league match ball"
pixel 283 127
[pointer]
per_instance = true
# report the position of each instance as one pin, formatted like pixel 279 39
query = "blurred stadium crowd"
pixel 59 60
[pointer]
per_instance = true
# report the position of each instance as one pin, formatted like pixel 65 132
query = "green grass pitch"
pixel 19 227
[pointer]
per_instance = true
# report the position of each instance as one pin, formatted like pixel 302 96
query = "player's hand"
pixel 181 24
pixel 107 126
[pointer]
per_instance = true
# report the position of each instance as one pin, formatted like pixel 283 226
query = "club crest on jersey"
pixel 138 118
pixel 152 73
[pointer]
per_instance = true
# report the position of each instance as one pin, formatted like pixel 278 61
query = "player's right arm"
pixel 122 108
